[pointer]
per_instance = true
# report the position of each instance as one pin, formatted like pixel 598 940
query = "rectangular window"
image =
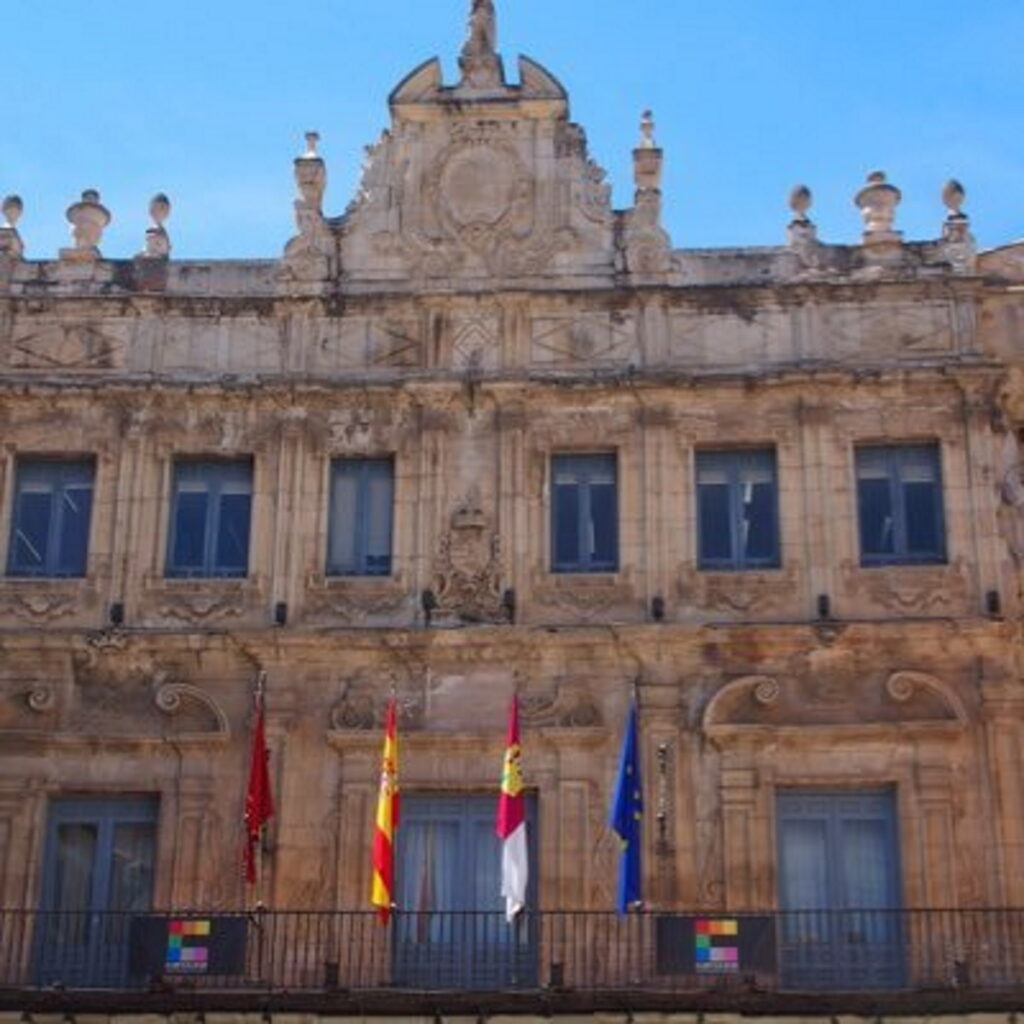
pixel 839 889
pixel 737 509
pixel 452 931
pixel 584 513
pixel 899 504
pixel 50 521
pixel 361 512
pixel 98 871
pixel 211 506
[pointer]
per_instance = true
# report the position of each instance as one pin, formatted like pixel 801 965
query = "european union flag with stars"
pixel 627 813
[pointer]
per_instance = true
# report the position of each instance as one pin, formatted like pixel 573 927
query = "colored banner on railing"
pixel 715 944
pixel 188 945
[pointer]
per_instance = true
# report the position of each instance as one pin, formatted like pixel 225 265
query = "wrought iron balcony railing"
pixel 554 952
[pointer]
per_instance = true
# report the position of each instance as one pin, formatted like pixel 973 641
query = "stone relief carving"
pixel 353 603
pixel 362 701
pixel 919 589
pixel 65 347
pixel 44 605
pixel 588 338
pixel 468 576
pixel 904 698
pixel 1011 493
pixel 569 706
pixel 203 607
pixel 584 599
pixel 743 593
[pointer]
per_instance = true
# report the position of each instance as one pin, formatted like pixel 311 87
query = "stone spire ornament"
pixel 646 242
pixel 306 256
pixel 88 218
pixel 479 61
pixel 11 246
pixel 158 242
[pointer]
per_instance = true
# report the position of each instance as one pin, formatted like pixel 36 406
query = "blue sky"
pixel 208 101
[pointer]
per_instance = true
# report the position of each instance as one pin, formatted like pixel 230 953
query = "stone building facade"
pixel 483 435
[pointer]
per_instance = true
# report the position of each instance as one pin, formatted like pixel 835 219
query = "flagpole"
pixel 261 688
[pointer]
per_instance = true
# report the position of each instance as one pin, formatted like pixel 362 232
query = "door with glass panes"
pixel 97 872
pixel 450 927
pixel 840 925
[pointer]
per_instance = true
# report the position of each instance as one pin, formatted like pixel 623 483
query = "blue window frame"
pixel 361 512
pixel 211 507
pixel 584 513
pixel 839 889
pixel 52 509
pixel 899 504
pixel 98 870
pixel 450 929
pixel 737 509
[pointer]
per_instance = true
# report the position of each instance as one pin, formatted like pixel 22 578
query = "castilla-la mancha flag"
pixel 259 801
pixel 511 824
pixel 382 892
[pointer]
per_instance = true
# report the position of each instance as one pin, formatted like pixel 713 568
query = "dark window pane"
pixel 190 531
pixel 73 536
pixel 715 534
pixel 877 535
pixel 379 510
pixel 567 525
pixel 31 531
pixel 361 515
pixel 920 502
pixel 900 503
pixel 759 523
pixel 232 551
pixel 131 866
pixel 602 550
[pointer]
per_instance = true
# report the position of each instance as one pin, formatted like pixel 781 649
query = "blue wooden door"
pixel 839 890
pixel 97 872
pixel 450 927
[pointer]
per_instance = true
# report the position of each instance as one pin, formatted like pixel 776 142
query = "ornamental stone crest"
pixel 469 565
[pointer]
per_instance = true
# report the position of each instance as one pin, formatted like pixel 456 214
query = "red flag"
pixel 511 823
pixel 259 801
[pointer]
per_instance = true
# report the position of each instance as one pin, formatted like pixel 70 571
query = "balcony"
pixel 877 961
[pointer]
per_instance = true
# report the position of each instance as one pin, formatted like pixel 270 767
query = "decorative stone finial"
pixel 158 242
pixel 801 228
pixel 647 156
pixel 479 60
pixel 647 131
pixel 956 230
pixel 88 217
pixel 11 245
pixel 12 209
pixel 953 196
pixel 312 141
pixel 307 254
pixel 310 178
pixel 878 201
pixel 800 200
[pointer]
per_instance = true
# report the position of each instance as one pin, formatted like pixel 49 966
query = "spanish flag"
pixel 511 823
pixel 386 826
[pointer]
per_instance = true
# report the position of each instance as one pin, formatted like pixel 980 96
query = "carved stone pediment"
pixel 110 702
pixel 766 704
pixel 476 181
